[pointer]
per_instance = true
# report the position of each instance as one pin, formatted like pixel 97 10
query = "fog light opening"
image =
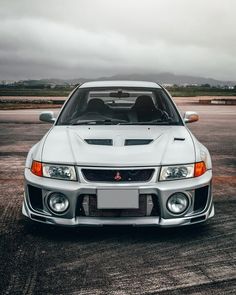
pixel 58 203
pixel 177 203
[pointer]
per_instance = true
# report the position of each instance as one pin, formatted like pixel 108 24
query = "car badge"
pixel 117 176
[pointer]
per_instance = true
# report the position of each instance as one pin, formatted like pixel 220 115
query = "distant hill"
pixel 162 78
pixel 168 78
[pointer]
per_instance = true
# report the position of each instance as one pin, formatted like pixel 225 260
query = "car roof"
pixel 116 83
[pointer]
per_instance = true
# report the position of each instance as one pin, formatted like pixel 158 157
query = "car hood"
pixel 168 145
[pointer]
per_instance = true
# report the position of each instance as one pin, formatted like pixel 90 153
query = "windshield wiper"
pixel 99 122
pixel 155 122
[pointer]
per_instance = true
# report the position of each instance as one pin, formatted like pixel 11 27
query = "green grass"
pixel 175 91
pixel 33 92
pixel 201 91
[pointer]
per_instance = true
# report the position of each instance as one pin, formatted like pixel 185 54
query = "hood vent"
pixel 137 141
pixel 99 141
pixel 110 141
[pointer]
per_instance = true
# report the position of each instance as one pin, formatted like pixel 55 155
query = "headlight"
pixel 64 172
pixel 177 172
pixel 177 203
pixel 182 171
pixel 58 203
pixel 59 171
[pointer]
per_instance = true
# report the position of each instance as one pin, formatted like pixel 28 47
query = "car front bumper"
pixel 161 189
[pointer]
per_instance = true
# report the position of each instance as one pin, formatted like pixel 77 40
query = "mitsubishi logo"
pixel 117 177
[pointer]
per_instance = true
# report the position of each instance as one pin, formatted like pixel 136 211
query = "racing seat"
pixel 97 105
pixel 145 109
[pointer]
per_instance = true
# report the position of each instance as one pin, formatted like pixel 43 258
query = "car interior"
pixel 136 109
pixel 119 106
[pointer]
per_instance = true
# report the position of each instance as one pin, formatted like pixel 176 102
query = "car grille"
pixel 148 206
pixel 122 175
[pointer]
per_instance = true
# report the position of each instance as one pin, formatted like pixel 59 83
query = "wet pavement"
pixel 38 259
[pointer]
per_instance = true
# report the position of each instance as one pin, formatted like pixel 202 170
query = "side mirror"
pixel 190 117
pixel 47 117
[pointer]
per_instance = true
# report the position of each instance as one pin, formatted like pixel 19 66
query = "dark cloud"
pixel 67 39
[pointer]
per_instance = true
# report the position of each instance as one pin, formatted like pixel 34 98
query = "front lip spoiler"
pixel 134 221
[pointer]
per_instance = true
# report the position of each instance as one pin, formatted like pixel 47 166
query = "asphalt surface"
pixel 37 259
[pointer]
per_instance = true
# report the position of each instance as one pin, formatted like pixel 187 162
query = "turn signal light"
pixel 37 168
pixel 199 169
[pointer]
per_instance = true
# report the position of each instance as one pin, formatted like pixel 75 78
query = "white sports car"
pixel 119 153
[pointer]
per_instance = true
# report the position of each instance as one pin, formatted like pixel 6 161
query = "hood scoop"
pixel 99 141
pixel 137 141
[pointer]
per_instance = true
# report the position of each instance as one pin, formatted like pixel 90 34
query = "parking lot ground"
pixel 39 259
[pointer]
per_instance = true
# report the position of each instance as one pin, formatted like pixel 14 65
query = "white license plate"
pixel 117 199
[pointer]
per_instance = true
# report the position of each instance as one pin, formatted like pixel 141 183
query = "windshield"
pixel 124 106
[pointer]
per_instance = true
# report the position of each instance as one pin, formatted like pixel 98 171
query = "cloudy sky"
pixel 91 38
